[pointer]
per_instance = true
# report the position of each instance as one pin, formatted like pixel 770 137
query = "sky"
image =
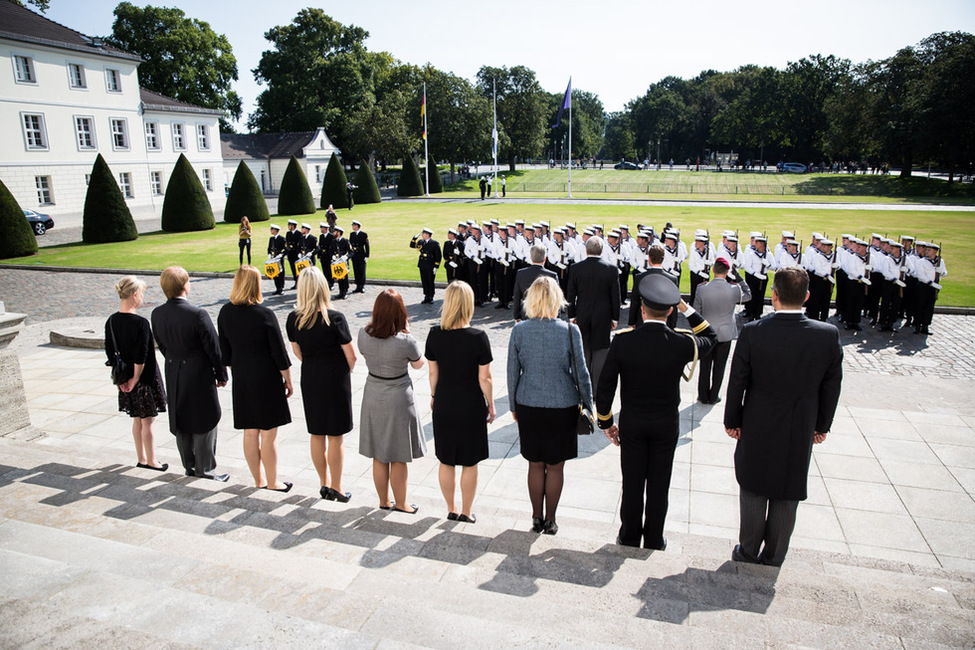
pixel 613 49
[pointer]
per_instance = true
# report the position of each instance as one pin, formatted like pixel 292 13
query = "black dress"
pixel 459 410
pixel 251 344
pixel 326 382
pixel 134 337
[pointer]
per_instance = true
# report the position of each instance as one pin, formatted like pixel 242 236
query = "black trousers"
pixel 646 462
pixel 711 372
pixel 198 452
pixel 244 243
pixel 695 280
pixel 624 280
pixel 855 292
pixel 890 303
pixel 872 303
pixel 841 291
pixel 756 305
pixel 427 277
pixel 909 303
pixel 359 270
pixel 479 282
pixel 451 272
pixel 504 281
pixel 294 273
pixel 489 266
pixel 926 297
pixel 767 521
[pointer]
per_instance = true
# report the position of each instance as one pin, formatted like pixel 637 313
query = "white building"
pixel 268 154
pixel 66 97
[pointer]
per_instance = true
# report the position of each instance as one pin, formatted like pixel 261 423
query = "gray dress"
pixel 389 428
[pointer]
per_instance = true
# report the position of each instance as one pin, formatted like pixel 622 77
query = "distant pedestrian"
pixel 349 189
pixel 244 237
pixel 504 184
pixel 330 216
pixel 483 184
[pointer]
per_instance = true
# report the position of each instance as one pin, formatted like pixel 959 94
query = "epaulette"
pixel 625 330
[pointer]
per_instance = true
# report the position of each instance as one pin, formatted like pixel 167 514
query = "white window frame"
pixel 152 139
pixel 125 184
pixel 207 180
pixel 40 130
pixel 79 81
pixel 156 183
pixel 108 80
pixel 78 132
pixel 179 136
pixel 87 180
pixel 203 137
pixel 31 79
pixel 318 173
pixel 45 193
pixel 124 132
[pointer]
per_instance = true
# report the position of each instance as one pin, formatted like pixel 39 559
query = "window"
pixel 207 181
pixel 318 173
pixel 125 182
pixel 76 75
pixel 113 80
pixel 84 128
pixel 202 137
pixel 152 136
pixel 120 133
pixel 87 179
pixel 35 134
pixel 155 181
pixel 24 70
pixel 44 196
pixel 179 141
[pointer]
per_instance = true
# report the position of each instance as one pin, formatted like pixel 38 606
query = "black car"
pixel 41 223
pixel 627 165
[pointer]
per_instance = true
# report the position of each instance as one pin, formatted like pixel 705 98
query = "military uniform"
pixel 755 265
pixel 275 248
pixel 324 243
pixel 451 255
pixel 428 263
pixel 339 247
pixel 359 241
pixel 292 247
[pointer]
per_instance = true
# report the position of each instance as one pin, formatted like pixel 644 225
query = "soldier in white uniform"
pixel 909 299
pixel 856 285
pixel 755 263
pixel 820 269
pixel 476 270
pixel 699 262
pixel 895 268
pixel 929 270
pixel 780 248
pixel 504 268
pixel 789 258
pixel 729 251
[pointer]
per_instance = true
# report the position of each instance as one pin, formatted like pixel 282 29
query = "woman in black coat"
pixel 251 345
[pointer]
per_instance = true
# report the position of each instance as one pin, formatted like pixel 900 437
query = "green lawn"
pixel 392 225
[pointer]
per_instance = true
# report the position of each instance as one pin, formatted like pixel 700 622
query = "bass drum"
pixel 340 270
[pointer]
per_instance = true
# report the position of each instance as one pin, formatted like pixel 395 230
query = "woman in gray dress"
pixel 389 430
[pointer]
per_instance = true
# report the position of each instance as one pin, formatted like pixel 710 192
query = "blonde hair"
pixel 173 280
pixel 128 286
pixel 544 299
pixel 247 286
pixel 314 297
pixel 458 306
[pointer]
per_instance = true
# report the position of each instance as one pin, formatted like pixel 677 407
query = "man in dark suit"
pixel 655 258
pixel 594 304
pixel 359 241
pixel 526 276
pixel 716 301
pixel 428 263
pixel 649 361
pixel 194 370
pixel 275 249
pixel 777 416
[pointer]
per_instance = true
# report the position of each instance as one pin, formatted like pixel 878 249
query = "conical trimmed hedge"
pixel 334 190
pixel 186 207
pixel 409 179
pixel 245 198
pixel 106 217
pixel 16 237
pixel 366 190
pixel 436 185
pixel 295 196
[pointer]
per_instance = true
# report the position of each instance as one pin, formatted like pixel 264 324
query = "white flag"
pixel 494 144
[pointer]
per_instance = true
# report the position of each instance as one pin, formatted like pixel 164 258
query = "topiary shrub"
pixel 366 190
pixel 409 179
pixel 334 190
pixel 295 195
pixel 106 217
pixel 16 237
pixel 436 185
pixel 245 198
pixel 186 207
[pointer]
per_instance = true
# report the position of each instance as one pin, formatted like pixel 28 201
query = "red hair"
pixel 389 316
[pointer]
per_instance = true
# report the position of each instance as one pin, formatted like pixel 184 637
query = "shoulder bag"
pixel 121 371
pixel 584 425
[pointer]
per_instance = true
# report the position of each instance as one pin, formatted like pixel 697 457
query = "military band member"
pixel 476 270
pixel 820 271
pixel 699 262
pixel 428 263
pixel 929 269
pixel 324 244
pixel 451 254
pixel 275 248
pixel 292 247
pixel 359 241
pixel 648 361
pixel 340 248
pixel 309 243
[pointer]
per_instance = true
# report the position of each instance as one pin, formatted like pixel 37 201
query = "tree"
pixel 245 198
pixel 366 190
pixel 16 237
pixel 409 179
pixel 186 207
pixel 458 115
pixel 433 173
pixel 807 86
pixel 753 119
pixel 618 143
pixel 183 58
pixel 295 195
pixel 521 110
pixel 385 124
pixel 106 217
pixel 43 5
pixel 335 185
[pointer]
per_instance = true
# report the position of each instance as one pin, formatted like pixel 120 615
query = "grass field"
pixel 709 185
pixel 391 226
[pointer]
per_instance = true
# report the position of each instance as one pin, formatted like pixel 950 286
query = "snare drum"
pixel 340 270
pixel 303 263
pixel 273 268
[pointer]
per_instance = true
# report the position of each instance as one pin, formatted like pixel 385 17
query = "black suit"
pixel 784 386
pixel 428 263
pixel 636 315
pixel 359 241
pixel 188 342
pixel 649 361
pixel 594 302
pixel 524 279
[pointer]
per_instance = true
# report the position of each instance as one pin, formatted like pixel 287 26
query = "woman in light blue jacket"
pixel 545 389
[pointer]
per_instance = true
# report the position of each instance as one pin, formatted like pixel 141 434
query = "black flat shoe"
pixel 537 525
pixel 389 507
pixel 161 468
pixel 452 516
pixel 335 495
pixel 287 488
pixel 549 527
pixel 467 520
pixel 415 510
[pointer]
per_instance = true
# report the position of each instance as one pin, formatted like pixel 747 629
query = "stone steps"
pixel 105 549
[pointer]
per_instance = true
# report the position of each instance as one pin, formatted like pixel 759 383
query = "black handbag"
pixel 584 424
pixel 121 371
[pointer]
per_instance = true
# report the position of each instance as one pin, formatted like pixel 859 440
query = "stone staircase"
pixel 96 552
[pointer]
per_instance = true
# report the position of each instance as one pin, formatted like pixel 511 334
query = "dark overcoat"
pixel 594 300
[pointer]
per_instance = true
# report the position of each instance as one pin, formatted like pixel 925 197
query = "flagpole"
pixel 426 142
pixel 570 138
pixel 495 138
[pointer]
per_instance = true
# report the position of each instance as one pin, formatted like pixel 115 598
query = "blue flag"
pixel 566 102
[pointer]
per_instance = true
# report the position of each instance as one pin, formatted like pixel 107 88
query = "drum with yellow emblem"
pixel 273 267
pixel 303 263
pixel 340 268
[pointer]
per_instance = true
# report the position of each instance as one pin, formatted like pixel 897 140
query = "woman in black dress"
pixel 462 396
pixel 251 344
pixel 142 396
pixel 321 340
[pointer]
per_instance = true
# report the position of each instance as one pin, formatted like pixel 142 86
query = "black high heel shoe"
pixel 335 495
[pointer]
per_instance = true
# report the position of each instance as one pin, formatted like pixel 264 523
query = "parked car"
pixel 626 165
pixel 794 168
pixel 41 223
